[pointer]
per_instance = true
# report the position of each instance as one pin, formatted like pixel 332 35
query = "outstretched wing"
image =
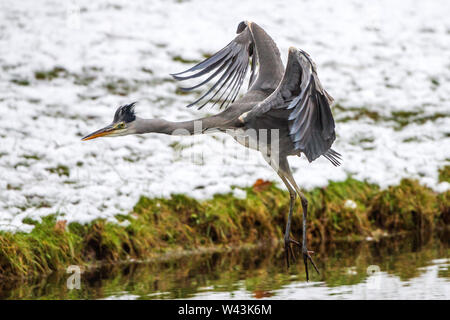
pixel 301 99
pixel 227 68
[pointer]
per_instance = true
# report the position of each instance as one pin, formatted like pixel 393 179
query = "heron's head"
pixel 123 124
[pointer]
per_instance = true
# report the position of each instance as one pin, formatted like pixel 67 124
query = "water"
pixel 395 268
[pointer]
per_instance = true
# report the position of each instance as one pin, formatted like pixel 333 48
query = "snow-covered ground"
pixel 381 60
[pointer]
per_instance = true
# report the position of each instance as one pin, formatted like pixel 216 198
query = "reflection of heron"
pixel 290 103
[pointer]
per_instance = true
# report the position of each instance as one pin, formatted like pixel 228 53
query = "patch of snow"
pixel 350 204
pixel 239 193
pixel 115 52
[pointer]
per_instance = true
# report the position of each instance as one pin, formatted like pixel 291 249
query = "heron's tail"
pixel 334 157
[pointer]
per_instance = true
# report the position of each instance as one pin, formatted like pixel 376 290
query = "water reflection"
pixel 409 267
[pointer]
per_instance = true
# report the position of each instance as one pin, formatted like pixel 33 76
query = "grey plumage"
pixel 230 64
pixel 298 90
pixel 290 101
pixel 125 113
pixel 301 99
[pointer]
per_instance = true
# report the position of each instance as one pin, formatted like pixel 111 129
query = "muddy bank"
pixel 343 210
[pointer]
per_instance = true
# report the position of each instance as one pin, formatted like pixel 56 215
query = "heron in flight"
pixel 289 101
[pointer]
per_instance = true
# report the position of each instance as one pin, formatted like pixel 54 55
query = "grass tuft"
pixel 343 210
pixel 444 174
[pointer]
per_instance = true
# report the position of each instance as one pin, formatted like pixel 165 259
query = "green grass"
pixel 51 74
pixel 399 118
pixel 88 75
pixel 21 82
pixel 123 87
pixel 444 174
pixel 183 60
pixel 157 226
pixel 60 170
pixel 260 270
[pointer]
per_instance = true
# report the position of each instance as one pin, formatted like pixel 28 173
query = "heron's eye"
pixel 120 125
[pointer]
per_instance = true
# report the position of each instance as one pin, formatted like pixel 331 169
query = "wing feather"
pixel 227 68
pixel 307 108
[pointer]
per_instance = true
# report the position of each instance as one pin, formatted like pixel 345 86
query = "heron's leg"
pixel 306 253
pixel 287 239
pixel 293 195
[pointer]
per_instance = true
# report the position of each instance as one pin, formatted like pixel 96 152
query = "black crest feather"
pixel 125 113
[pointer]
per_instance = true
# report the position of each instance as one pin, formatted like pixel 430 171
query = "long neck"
pixel 197 126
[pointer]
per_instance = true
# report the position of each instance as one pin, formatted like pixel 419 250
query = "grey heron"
pixel 290 102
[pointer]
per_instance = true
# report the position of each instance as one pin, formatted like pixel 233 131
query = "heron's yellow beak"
pixel 106 131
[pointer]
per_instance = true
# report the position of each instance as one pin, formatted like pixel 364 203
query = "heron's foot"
pixel 288 251
pixel 306 257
